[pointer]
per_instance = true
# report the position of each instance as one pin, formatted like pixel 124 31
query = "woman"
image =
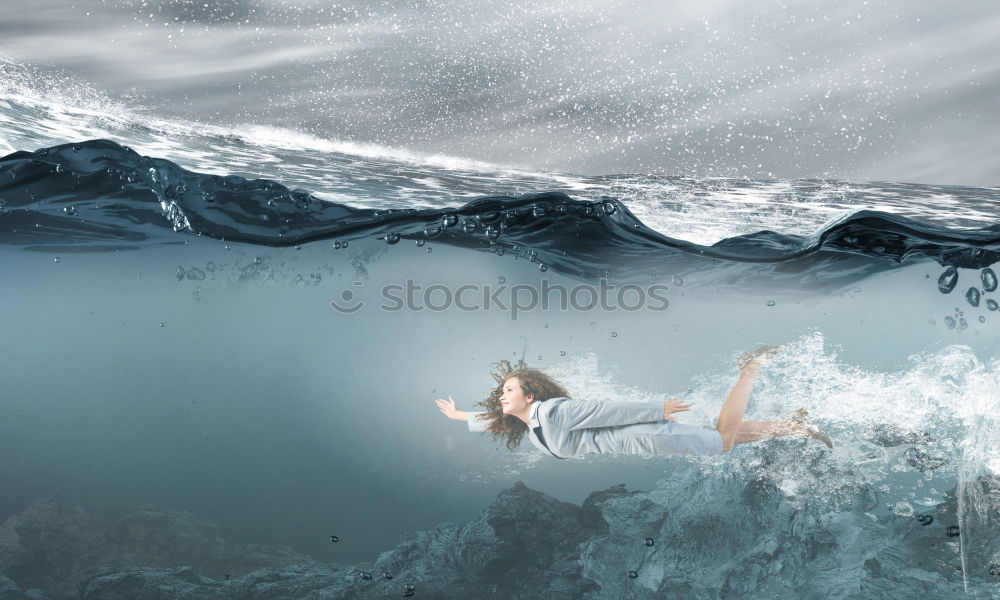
pixel 527 401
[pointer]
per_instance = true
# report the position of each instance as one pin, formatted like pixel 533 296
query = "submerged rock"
pixel 887 436
pixel 776 522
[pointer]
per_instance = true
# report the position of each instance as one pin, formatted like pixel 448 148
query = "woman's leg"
pixel 731 415
pixel 755 431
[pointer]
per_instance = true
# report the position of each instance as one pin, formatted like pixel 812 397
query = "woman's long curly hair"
pixel 532 381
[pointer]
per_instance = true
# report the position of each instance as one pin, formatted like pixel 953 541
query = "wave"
pixel 98 195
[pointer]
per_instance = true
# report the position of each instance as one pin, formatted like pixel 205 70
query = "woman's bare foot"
pixel 757 358
pixel 802 418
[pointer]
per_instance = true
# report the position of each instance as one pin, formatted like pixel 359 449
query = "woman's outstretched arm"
pixel 451 411
pixel 584 414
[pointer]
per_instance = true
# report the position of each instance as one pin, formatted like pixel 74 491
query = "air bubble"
pixel 432 232
pixel 538 211
pixel 60 169
pixel 609 207
pixel 962 324
pixel 162 324
pixel 334 539
pixel 614 334
pixel 676 279
pixel 949 322
pixel 409 587
pixel 57 259
pixel 180 273
pixel 771 302
pixel 256 260
pixel 70 210
pixel 925 519
pixel 953 531
pixel 501 279
pixel 391 238
pixel 449 220
pixel 989 280
pixel 649 541
pixel 366 575
pixel 948 280
pixel 543 268
pixel 469 226
pixel 336 245
pixel 386 575
pixel 632 574
pixel 562 353
pixel 492 232
pixel 982 319
pixel 972 296
pixel 992 304
pixel 420 243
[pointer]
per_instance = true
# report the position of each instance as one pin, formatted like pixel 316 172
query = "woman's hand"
pixel 450 410
pixel 674 405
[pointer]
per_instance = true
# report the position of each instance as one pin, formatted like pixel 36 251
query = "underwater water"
pixel 223 347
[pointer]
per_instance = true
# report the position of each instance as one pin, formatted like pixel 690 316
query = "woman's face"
pixel 513 398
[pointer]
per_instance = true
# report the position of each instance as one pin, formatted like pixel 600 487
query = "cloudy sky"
pixel 865 90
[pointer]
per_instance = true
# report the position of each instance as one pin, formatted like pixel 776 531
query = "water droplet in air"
pixel 972 296
pixel 948 280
